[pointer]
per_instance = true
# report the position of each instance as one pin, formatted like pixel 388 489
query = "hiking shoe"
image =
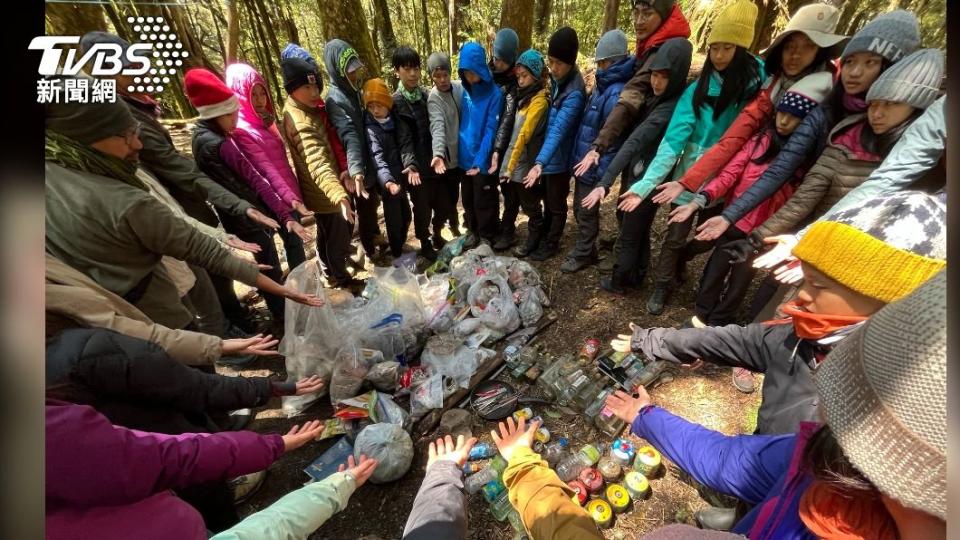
pixel 471 241
pixel 523 250
pixel 716 519
pixel 607 242
pixel 744 380
pixel 572 265
pixel 427 251
pixel 503 242
pixel 245 486
pixel 657 301
pixel 544 252
pixel 608 284
pixel 605 264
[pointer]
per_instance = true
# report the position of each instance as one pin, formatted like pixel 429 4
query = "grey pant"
pixel 588 224
pixel 202 300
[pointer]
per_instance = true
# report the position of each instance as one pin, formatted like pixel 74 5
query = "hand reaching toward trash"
pixel 778 253
pixel 361 472
pixel 309 385
pixel 445 450
pixel 513 436
pixel 625 406
pixel 301 435
pixel 622 341
pixel 259 345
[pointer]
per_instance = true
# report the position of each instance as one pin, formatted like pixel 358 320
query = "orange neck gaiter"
pixel 851 515
pixel 816 325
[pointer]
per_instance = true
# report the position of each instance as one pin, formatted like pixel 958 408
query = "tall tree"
pixel 426 27
pixel 233 30
pixel 384 25
pixel 345 19
pixel 73 19
pixel 518 14
pixel 611 8
pixel 544 7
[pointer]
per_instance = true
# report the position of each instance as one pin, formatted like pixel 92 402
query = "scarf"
pixel 845 515
pixel 526 94
pixel 819 326
pixel 412 96
pixel 70 154
pixel 675 25
pixel 267 118
pixel 854 103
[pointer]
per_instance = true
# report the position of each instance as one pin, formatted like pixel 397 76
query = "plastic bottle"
pixel 493 489
pixel 555 450
pixel 482 451
pixel 501 507
pixel 569 468
pixel 598 404
pixel 475 482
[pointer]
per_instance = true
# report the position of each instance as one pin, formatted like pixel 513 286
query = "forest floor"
pixel 705 396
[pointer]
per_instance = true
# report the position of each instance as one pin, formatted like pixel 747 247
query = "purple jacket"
pixel 763 470
pixel 107 482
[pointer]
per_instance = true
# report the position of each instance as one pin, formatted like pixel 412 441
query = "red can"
pixel 591 478
pixel 590 349
pixel 580 491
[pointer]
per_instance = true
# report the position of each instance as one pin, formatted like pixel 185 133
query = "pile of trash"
pixel 423 335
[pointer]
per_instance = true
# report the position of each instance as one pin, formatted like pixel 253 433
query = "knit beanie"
pixel 735 24
pixel 883 248
pixel 438 60
pixel 662 7
pixel 564 45
pixel 292 50
pixel 376 91
pixel 891 35
pixel 88 123
pixel 97 37
pixel 612 44
pixel 532 61
pixel 209 95
pixel 806 94
pixel 506 45
pixel 914 80
pixel 883 391
pixel 298 72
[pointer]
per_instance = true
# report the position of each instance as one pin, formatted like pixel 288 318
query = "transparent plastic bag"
pixel 530 305
pixel 385 376
pixel 466 327
pixel 522 274
pixel 426 391
pixel 501 314
pixel 394 290
pixel 350 367
pixel 390 445
pixel 389 412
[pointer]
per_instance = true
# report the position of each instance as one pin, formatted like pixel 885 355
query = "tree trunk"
pixel 426 28
pixel 454 8
pixel 384 24
pixel 233 30
pixel 764 26
pixel 611 8
pixel 518 14
pixel 73 20
pixel 346 20
pixel 543 14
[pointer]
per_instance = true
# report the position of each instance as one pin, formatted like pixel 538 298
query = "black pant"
pixel 396 214
pixel 268 255
pixel 676 251
pixel 588 224
pixel 556 189
pixel 531 201
pixel 367 225
pixel 632 249
pixel 723 285
pixel 292 246
pixel 431 205
pixel 621 189
pixel 233 310
pixel 511 208
pixel 333 245
pixel 481 205
pixel 214 501
pixel 451 181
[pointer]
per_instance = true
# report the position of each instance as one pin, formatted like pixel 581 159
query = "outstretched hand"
pixel 668 192
pixel 622 341
pixel 682 213
pixel 310 385
pixel 712 228
pixel 588 161
pixel 258 345
pixel 438 165
pixel 513 436
pixel 301 435
pixel 778 253
pixel 625 406
pixel 445 450
pixel 236 243
pixel 361 472
pixel 594 197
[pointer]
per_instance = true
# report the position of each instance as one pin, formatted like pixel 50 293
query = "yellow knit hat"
pixel 735 24
pixel 376 91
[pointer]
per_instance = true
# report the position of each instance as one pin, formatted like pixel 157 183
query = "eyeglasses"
pixel 131 134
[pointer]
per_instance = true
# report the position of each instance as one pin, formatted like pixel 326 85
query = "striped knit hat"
pixel 884 248
pixel 210 96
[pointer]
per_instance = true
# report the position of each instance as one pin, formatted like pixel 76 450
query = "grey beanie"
pixel 612 44
pixel 97 37
pixel 87 123
pixel 662 7
pixel 915 80
pixel 506 45
pixel 438 60
pixel 891 35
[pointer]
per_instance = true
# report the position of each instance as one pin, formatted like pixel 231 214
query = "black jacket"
pixel 135 384
pixel 391 148
pixel 416 122
pixel 507 81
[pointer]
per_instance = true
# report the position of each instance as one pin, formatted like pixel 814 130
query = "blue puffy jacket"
pixel 566 109
pixel 605 95
pixel 480 115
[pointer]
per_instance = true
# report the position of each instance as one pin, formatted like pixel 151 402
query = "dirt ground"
pixel 583 310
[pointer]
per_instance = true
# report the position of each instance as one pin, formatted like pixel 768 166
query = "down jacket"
pixel 529 123
pixel 605 94
pixel 481 110
pixel 567 100
pixel 390 147
pixel 318 156
pixel 507 81
pixel 262 144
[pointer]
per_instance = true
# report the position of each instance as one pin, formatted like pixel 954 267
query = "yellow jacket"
pixel 313 157
pixel 529 119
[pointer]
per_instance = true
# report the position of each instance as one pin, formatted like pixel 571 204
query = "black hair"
pixel 740 76
pixel 404 56
pixel 776 142
pixel 882 144
pixel 833 105
pixel 774 59
pixel 826 460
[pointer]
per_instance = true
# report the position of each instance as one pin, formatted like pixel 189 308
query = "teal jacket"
pixel 689 137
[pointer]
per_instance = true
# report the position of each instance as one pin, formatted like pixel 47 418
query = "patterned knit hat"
pixel 208 94
pixel 883 390
pixel 735 24
pixel 532 61
pixel 915 80
pixel 884 248
pixel 376 91
pixel 292 50
pixel 506 44
pixel 806 94
pixel 891 35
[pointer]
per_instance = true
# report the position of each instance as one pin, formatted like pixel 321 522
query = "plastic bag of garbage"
pixel 394 290
pixel 390 445
pixel 385 376
pixel 521 274
pixel 531 302
pixel 426 391
pixel 386 336
pixel 389 412
pixel 351 365
pixel 466 327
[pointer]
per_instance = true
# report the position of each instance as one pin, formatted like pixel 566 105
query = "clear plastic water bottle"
pixel 569 468
pixel 555 450
pixel 482 451
pixel 476 481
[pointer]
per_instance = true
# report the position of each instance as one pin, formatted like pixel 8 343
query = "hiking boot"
pixel 503 242
pixel 523 250
pixel 611 285
pixel 544 252
pixel 716 519
pixel 572 265
pixel 427 251
pixel 744 380
pixel 245 486
pixel 657 301
pixel 471 241
pixel 607 242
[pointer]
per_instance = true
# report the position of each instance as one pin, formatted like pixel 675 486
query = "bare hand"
pixel 445 450
pixel 347 181
pixel 625 406
pixel 237 243
pixel 264 266
pixel 594 197
pixel 504 179
pixel 258 217
pixel 473 172
pixel 358 186
pixel 494 163
pixel 412 176
pixel 682 213
pixel 668 192
pixel 779 253
pixel 296 228
pixel 712 228
pixel 629 201
pixel 438 165
pixel 305 299
pixel 789 273
pixel 259 345
pixel 588 161
pixel 347 211
pixel 362 472
pixel 299 436
pixel 532 175
pixel 393 188
pixel 309 385
pixel 513 436
pixel 299 207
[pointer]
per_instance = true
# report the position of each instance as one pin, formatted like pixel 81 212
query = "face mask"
pixel 817 325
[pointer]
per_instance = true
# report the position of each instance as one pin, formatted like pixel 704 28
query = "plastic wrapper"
pixel 451 249
pixel 389 412
pixel 531 300
pixel 426 391
pixel 394 290
pixel 449 357
pixel 362 406
pixel 522 274
pixel 351 366
pixel 390 445
pixel 331 428
pixel 385 376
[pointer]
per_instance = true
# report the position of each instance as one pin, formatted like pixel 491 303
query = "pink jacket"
pixel 262 145
pixel 740 173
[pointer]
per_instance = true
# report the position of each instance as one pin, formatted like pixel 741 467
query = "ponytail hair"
pixel 741 77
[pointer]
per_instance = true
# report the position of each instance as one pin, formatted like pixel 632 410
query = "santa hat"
pixel 208 94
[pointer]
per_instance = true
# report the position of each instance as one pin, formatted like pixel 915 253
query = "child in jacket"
pixel 730 78
pixel 526 137
pixel 478 125
pixel 390 148
pixel 567 97
pixel 615 67
pixel 503 57
pixel 728 273
pixel 444 105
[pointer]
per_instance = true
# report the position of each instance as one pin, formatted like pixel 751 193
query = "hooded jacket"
pixel 444 109
pixel 480 116
pixel 262 144
pixel 507 81
pixel 416 119
pixel 390 148
pixel 318 156
pixel 640 147
pixel 567 100
pixel 609 83
pixel 635 93
pixel 526 138
pixel 345 107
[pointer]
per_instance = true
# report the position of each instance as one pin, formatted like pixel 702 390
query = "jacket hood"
pixel 473 57
pixel 675 26
pixel 674 55
pixel 337 54
pixel 241 78
pixel 621 71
